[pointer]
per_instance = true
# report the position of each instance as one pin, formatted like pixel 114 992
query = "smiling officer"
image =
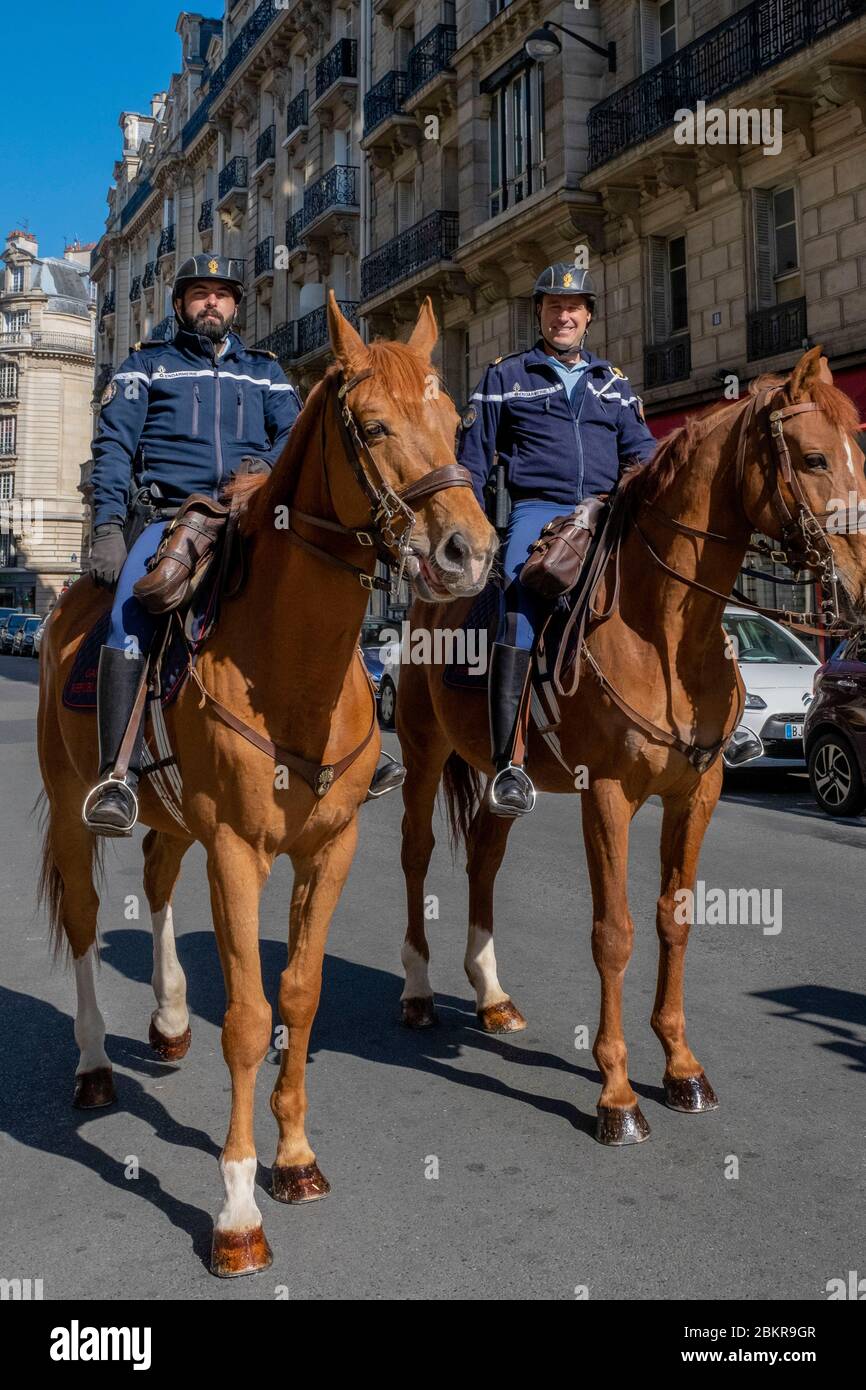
pixel 564 423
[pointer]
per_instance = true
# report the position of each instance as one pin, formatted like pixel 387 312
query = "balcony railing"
pixel 265 255
pixel 781 328
pixel 234 175
pixel 205 217
pixel 431 55
pixel 135 290
pixel 294 227
pixel 665 362
pixel 108 304
pixel 340 61
pixel 195 122
pixel 166 242
pixel 138 199
pixel 337 186
pixel 384 99
pixel 749 42
pixel 149 275
pixel 266 145
pixel 312 329
pixel 281 341
pixel 52 342
pixel 296 112
pixel 165 329
pixel 432 239
pixel 246 40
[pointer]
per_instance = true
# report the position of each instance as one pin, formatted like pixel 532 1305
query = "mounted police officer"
pixel 178 417
pixel 563 422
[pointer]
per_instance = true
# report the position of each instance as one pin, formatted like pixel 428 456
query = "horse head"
pixel 402 425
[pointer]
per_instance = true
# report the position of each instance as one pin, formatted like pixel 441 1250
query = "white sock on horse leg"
pixel 89 1023
pixel 171 1016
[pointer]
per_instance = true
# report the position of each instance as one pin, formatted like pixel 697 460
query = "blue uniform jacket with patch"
pixel 553 448
pixel 175 415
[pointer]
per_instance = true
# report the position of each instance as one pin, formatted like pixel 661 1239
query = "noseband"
pixel 392 520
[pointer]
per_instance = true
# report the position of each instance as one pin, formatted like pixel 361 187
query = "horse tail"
pixel 49 889
pixel 461 783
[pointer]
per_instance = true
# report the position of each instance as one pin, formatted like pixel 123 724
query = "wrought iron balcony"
pixel 196 122
pixel 265 256
pixel 384 99
pixel 266 145
pixel 336 188
pixel 340 61
pixel 137 201
pixel 666 362
pixel 149 275
pixel 312 329
pixel 281 341
pixel 166 242
pixel 233 176
pixel 432 239
pixel 205 217
pixel 135 290
pixel 107 305
pixel 296 112
pixel 246 40
pixel 747 43
pixel 294 227
pixel 431 55
pixel 781 328
pixel 165 329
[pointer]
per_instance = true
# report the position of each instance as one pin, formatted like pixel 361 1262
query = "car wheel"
pixel 835 777
pixel 387 702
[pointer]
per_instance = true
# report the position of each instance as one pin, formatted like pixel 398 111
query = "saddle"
pixel 187 550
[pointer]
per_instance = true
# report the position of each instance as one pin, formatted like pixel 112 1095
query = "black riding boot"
pixel 386 778
pixel 112 807
pixel 511 791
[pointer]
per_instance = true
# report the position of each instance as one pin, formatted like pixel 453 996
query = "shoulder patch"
pixel 469 416
pixel 109 393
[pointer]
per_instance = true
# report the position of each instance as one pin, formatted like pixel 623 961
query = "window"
pixel 658 31
pixel 343 146
pixel 16 319
pixel 7 486
pixel 517 152
pixel 495 7
pixel 7 434
pixel 17 281
pixel 8 382
pixel 777 258
pixel 668 287
pixel 404 40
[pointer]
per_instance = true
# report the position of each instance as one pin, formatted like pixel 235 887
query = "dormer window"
pixel 17 279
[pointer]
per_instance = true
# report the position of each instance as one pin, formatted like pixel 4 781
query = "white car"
pixel 778 670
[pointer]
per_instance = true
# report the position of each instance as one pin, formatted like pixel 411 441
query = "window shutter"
pixel 764 267
pixel 523 330
pixel 658 267
pixel 650 38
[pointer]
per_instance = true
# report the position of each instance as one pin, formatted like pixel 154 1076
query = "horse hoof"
pixel 618 1124
pixel 234 1253
pixel 94 1089
pixel 418 1013
pixel 304 1183
pixel 690 1094
pixel 503 1017
pixel 169 1049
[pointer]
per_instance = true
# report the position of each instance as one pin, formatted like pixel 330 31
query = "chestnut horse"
pixel 284 662
pixel 662 656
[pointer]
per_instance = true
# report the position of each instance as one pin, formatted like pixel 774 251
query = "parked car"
pixel 778 670
pixel 835 733
pixel 38 635
pixel 12 624
pixel 7 613
pixel 384 673
pixel 22 644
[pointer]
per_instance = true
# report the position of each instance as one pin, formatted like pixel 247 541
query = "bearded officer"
pixel 178 417
pixel 564 423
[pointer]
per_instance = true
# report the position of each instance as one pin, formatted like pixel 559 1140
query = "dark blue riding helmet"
pixel 565 278
pixel 206 267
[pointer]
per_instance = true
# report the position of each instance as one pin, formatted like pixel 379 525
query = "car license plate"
pixel 793 731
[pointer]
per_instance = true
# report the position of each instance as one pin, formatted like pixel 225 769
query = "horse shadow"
pixel 830 1009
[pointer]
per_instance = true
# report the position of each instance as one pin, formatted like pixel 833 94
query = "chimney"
pixel 23 241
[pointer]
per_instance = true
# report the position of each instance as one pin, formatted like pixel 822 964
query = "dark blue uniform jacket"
pixel 175 415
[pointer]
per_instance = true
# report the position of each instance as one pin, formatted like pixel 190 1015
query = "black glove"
pixel 108 553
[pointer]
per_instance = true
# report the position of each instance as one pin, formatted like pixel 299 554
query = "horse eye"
pixel 375 428
pixel 816 461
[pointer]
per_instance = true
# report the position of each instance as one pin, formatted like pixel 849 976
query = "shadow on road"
pixel 817 1006
pixel 20 668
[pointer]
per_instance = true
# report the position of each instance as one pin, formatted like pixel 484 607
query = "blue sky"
pixel 61 137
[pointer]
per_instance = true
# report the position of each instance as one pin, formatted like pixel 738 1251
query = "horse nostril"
pixel 454 552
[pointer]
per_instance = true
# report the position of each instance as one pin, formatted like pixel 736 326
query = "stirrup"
pixel 524 781
pixel 395 779
pixel 115 784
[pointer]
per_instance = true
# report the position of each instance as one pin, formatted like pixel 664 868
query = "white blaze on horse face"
pixel 89 1023
pixel 849 457
pixel 239 1212
pixel 417 978
pixel 480 966
pixel 171 1016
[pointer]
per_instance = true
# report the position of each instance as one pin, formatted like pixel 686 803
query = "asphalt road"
pixel 526 1204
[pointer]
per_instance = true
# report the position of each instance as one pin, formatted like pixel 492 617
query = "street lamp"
pixel 542 44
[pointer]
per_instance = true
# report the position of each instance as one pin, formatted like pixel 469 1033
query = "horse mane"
pixel 403 375
pixel 646 482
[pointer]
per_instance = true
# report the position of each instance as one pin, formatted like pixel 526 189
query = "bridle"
pixel 392 519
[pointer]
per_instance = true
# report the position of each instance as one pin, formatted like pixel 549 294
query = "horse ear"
pixel 423 337
pixel 811 367
pixel 349 347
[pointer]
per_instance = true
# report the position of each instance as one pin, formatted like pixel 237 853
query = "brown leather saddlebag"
pixel 557 557
pixel 185 551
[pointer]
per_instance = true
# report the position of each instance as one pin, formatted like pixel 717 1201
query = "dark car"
pixel 9 628
pixel 23 641
pixel 7 613
pixel 834 734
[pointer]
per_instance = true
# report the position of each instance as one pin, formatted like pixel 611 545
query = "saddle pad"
pixel 484 616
